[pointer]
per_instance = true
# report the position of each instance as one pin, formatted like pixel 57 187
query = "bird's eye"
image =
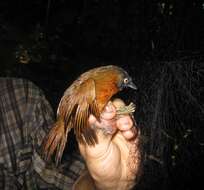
pixel 126 80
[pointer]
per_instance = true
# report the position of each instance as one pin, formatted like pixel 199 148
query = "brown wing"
pixel 74 109
pixel 77 107
pixel 55 141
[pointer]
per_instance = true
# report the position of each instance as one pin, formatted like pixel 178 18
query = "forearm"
pixel 120 185
pixel 102 176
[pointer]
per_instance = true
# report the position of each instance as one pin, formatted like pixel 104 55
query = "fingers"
pixel 130 134
pixel 92 120
pixel 109 123
pixel 126 126
pixel 109 112
pixel 99 149
pixel 118 103
pixel 123 128
pixel 125 122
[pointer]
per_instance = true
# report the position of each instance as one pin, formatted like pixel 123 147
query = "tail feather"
pixel 55 142
pixel 60 147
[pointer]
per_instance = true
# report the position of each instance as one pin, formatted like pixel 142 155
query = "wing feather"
pixel 76 107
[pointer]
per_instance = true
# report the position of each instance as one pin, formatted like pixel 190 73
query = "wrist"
pixel 86 182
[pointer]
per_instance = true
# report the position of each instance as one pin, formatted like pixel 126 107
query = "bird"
pixel 87 95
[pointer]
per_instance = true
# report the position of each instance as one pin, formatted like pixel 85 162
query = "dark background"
pixel 161 45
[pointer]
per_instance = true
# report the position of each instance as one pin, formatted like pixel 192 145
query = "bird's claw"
pixel 126 109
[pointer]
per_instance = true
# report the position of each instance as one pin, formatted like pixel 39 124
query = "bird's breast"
pixel 104 94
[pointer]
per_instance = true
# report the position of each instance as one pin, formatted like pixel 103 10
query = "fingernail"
pixel 109 107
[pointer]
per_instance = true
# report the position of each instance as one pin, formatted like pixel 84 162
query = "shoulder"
pixel 18 92
pixel 22 96
pixel 19 87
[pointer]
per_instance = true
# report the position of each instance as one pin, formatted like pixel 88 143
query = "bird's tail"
pixel 55 141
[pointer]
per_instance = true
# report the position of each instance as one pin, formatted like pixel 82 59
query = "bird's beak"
pixel 132 85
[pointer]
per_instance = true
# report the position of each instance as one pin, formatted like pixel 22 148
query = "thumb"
pixel 104 131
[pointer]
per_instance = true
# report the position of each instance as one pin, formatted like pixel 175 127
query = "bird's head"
pixel 124 80
pixel 109 77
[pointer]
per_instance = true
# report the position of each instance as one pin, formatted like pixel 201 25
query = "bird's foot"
pixel 126 109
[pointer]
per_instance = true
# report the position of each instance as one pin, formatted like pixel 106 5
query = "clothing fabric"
pixel 25 119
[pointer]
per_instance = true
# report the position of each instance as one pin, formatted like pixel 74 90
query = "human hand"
pixel 114 162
